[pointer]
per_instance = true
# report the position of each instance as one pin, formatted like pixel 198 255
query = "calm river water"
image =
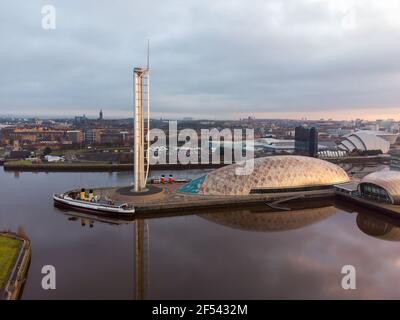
pixel 249 254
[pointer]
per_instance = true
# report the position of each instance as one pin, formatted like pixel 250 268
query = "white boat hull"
pixel 91 206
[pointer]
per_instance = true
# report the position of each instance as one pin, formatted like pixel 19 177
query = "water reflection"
pixel 142 258
pixel 380 227
pixel 90 219
pixel 141 245
pixel 253 219
pixel 257 220
pixel 268 221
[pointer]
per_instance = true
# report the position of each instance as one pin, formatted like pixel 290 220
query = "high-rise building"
pixel 92 136
pixel 101 115
pixel 306 141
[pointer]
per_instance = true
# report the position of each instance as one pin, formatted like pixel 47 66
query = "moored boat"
pixel 68 200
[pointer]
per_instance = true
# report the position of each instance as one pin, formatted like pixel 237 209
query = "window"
pixel 374 192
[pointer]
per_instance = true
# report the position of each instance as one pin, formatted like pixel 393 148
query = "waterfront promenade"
pixel 168 199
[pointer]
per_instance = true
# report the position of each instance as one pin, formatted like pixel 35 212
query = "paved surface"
pixel 171 200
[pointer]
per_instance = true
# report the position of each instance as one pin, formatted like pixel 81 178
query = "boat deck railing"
pixel 101 202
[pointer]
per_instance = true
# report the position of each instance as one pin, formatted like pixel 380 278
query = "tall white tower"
pixel 141 125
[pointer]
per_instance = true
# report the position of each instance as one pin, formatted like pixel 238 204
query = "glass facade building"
pixel 373 192
pixel 306 141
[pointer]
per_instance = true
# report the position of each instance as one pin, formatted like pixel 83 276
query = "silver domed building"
pixel 382 186
pixel 365 141
pixel 276 174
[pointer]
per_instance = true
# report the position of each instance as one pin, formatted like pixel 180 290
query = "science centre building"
pixel 277 174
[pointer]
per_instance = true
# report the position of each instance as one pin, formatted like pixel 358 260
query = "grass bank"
pixel 8 252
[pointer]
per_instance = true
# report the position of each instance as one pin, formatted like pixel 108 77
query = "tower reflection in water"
pixel 141 246
pixel 142 258
pixel 254 219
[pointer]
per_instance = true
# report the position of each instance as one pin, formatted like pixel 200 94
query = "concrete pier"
pixel 164 198
pixel 386 208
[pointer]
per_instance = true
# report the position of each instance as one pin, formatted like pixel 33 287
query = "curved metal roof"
pixel 388 180
pixel 389 136
pixel 364 141
pixel 277 172
pixel 373 142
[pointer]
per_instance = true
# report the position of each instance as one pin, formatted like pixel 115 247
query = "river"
pixel 235 254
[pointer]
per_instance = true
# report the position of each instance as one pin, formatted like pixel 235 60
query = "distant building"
pixel 80 120
pixel 367 142
pixel 89 137
pixel 16 146
pixel 101 115
pixel 306 141
pixel 19 155
pixel 111 138
pixel 50 158
pixel 92 136
pixel 388 136
pixel 75 136
pixel 275 145
pixel 37 135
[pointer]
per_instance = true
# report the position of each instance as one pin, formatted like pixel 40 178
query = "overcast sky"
pixel 209 58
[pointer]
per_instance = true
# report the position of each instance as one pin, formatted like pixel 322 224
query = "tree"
pixel 47 151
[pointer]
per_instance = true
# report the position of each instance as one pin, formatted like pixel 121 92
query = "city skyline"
pixel 92 114
pixel 313 59
pixel 199 151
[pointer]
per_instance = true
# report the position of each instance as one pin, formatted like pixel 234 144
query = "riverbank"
pixel 15 256
pixel 97 167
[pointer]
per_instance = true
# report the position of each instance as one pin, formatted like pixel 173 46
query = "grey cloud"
pixel 207 57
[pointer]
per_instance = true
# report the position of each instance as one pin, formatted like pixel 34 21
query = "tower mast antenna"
pixel 148 112
pixel 148 54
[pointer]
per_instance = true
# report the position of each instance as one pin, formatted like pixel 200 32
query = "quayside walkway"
pixel 167 198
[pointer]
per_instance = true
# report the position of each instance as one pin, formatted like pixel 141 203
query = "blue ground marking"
pixel 193 186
